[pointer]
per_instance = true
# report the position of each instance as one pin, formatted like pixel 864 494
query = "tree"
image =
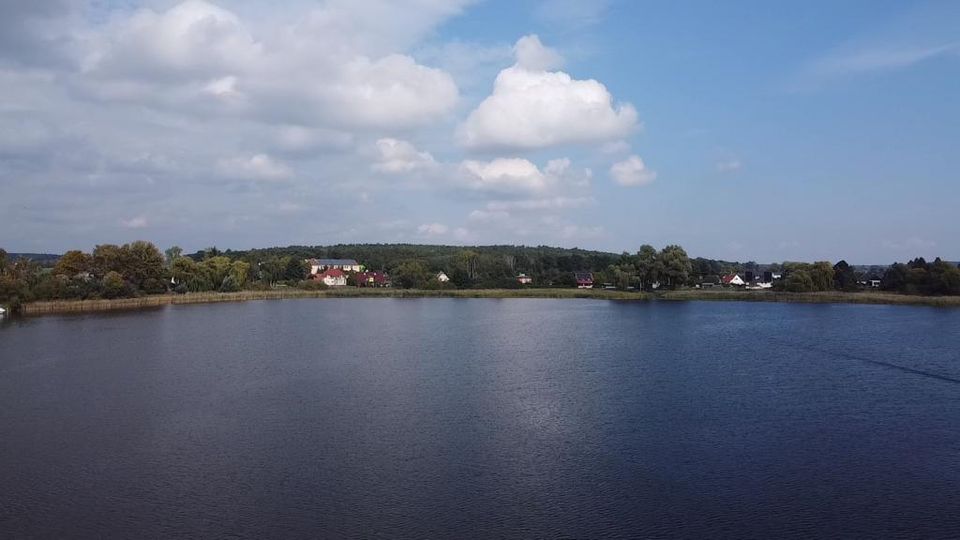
pixel 648 266
pixel 799 281
pixel 218 268
pixel 895 278
pixel 108 258
pixel 411 275
pixel 676 265
pixel 144 266
pixel 844 277
pixel 171 254
pixel 73 263
pixel 821 273
pixel 240 272
pixel 190 275
pixel 114 286
pixel 295 269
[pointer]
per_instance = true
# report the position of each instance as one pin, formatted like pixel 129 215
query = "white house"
pixel 347 265
pixel 733 279
pixel 442 278
pixel 524 279
pixel 333 277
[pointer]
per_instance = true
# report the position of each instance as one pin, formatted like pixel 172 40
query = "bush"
pixel 312 285
pixel 799 281
pixel 114 286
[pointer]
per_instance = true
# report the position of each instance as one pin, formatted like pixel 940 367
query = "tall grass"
pixel 827 297
pixel 77 306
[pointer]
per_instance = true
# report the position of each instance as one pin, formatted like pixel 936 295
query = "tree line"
pixel 139 268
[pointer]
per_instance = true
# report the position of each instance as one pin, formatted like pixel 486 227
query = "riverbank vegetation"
pixel 142 275
pixel 819 297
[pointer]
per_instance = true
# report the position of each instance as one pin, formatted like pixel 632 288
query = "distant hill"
pixel 45 259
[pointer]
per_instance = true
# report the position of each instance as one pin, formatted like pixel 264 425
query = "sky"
pixel 746 130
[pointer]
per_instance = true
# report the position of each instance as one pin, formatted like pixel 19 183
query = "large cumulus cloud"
pixel 533 108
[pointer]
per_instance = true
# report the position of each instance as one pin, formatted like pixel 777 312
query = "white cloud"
pixel 503 175
pixel 294 139
pixel 432 229
pixel 398 156
pixel 259 167
pixel 533 55
pixel 137 222
pixel 487 216
pixel 328 69
pixel 550 203
pixel 191 38
pixel 632 172
pixel 882 58
pixel 532 108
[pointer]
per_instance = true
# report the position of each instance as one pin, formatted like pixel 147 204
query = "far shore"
pixel 867 297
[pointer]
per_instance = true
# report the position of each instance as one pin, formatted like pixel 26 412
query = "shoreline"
pixel 824 297
pixel 59 307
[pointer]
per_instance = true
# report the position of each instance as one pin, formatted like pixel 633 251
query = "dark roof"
pixel 583 276
pixel 333 262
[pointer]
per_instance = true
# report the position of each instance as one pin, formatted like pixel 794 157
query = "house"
pixel 584 280
pixel 347 265
pixel 524 279
pixel 733 279
pixel 709 281
pixel 442 278
pixel 372 279
pixel 332 277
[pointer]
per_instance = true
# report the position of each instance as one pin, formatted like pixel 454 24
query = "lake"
pixel 406 418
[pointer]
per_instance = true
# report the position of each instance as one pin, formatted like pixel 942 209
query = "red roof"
pixel 728 278
pixel 332 272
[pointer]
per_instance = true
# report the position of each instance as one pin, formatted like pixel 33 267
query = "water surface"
pixel 482 418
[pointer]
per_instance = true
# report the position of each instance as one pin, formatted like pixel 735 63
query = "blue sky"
pixel 740 130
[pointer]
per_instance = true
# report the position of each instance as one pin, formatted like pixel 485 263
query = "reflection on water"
pixel 482 418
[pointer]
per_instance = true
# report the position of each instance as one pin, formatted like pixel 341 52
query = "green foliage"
pixel 844 277
pixel 171 254
pixel 73 263
pixel 114 286
pixel 675 265
pixel 799 281
pixel 648 266
pixel 411 275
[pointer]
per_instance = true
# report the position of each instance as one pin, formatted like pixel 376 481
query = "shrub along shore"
pixel 80 306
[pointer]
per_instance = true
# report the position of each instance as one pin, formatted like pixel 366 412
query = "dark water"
pixel 482 418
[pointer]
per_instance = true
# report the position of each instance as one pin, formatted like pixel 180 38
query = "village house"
pixel 442 278
pixel 347 265
pixel 332 277
pixel 372 279
pixel 710 281
pixel 733 279
pixel 584 280
pixel 524 279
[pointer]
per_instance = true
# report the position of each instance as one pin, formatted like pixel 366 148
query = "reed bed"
pixel 827 297
pixel 145 302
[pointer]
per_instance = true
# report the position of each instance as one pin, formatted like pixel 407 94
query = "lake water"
pixel 429 418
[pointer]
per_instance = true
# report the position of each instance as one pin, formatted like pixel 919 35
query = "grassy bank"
pixel 829 297
pixel 78 306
